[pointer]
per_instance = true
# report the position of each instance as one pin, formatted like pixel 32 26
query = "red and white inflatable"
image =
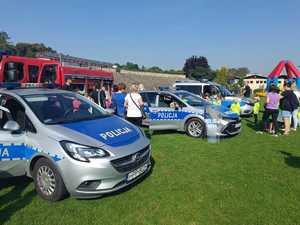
pixel 291 71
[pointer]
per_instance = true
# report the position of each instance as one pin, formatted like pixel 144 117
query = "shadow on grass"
pixel 250 123
pixel 14 200
pixel 149 133
pixel 291 160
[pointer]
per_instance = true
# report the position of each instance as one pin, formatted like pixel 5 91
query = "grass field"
pixel 248 179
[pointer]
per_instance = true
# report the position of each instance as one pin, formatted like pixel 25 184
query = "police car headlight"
pixel 82 152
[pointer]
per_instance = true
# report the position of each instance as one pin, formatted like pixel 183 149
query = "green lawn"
pixel 248 179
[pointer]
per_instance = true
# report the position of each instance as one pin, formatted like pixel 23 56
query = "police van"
pixel 68 144
pixel 202 88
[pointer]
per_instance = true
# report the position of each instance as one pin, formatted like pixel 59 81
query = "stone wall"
pixel 179 76
pixel 149 80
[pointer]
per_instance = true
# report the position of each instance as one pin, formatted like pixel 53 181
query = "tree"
pixel 5 44
pixel 155 69
pixel 30 50
pixel 238 72
pixel 198 68
pixel 131 66
pixel 222 76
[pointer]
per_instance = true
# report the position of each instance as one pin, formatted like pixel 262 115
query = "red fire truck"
pixel 15 69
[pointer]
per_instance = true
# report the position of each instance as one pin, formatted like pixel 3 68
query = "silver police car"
pixel 68 144
pixel 187 112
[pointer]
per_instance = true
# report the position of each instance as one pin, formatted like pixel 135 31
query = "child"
pixel 217 100
pixel 235 107
pixel 256 108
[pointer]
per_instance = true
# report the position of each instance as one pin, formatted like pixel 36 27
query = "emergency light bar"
pixel 12 85
pixel 32 85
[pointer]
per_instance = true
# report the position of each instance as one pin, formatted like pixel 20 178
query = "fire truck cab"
pixel 15 69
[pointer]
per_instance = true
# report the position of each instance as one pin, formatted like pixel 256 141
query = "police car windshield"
pixel 60 108
pixel 191 99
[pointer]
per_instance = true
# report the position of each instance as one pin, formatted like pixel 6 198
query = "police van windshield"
pixel 224 91
pixel 63 108
pixel 191 99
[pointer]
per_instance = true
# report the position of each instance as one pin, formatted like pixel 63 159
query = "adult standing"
pixel 102 97
pixel 288 104
pixel 271 109
pixel 98 95
pixel 295 112
pixel 247 91
pixel 118 100
pixel 133 104
pixel 68 85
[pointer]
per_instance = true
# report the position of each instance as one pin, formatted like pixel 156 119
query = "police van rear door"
pixel 12 148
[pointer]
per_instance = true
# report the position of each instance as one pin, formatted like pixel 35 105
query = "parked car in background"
pixel 187 112
pixel 210 88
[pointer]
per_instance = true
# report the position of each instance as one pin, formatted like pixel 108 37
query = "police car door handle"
pixel 154 110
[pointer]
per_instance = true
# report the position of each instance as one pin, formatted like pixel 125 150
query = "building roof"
pixel 255 76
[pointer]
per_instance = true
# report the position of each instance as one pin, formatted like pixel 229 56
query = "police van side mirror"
pixel 12 126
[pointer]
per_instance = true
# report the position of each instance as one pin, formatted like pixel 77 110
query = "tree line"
pixel 153 69
pixel 22 48
pixel 197 67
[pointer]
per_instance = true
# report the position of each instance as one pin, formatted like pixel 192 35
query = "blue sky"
pixel 232 33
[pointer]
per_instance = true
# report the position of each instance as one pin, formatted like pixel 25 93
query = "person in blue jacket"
pixel 118 100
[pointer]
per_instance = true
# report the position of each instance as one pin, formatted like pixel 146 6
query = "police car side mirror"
pixel 12 126
pixel 110 111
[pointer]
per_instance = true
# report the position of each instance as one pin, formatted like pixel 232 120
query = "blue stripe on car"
pixel 107 125
pixel 20 152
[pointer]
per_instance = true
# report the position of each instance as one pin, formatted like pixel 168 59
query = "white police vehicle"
pixel 206 87
pixel 184 111
pixel 68 144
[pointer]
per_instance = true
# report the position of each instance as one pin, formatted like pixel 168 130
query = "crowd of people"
pixel 127 105
pixel 280 106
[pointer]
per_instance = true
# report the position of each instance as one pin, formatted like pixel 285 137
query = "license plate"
pixel 238 125
pixel 137 172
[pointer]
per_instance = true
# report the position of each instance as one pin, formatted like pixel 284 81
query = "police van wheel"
pixel 48 182
pixel 195 128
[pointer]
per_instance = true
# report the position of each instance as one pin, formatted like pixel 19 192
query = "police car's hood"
pixel 223 111
pixel 243 101
pixel 112 131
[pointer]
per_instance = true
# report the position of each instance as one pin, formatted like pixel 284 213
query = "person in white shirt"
pixel 134 104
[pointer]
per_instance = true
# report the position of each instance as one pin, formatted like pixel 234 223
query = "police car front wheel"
pixel 48 182
pixel 195 128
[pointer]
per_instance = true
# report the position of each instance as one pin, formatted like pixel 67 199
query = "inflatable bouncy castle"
pixel 291 71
